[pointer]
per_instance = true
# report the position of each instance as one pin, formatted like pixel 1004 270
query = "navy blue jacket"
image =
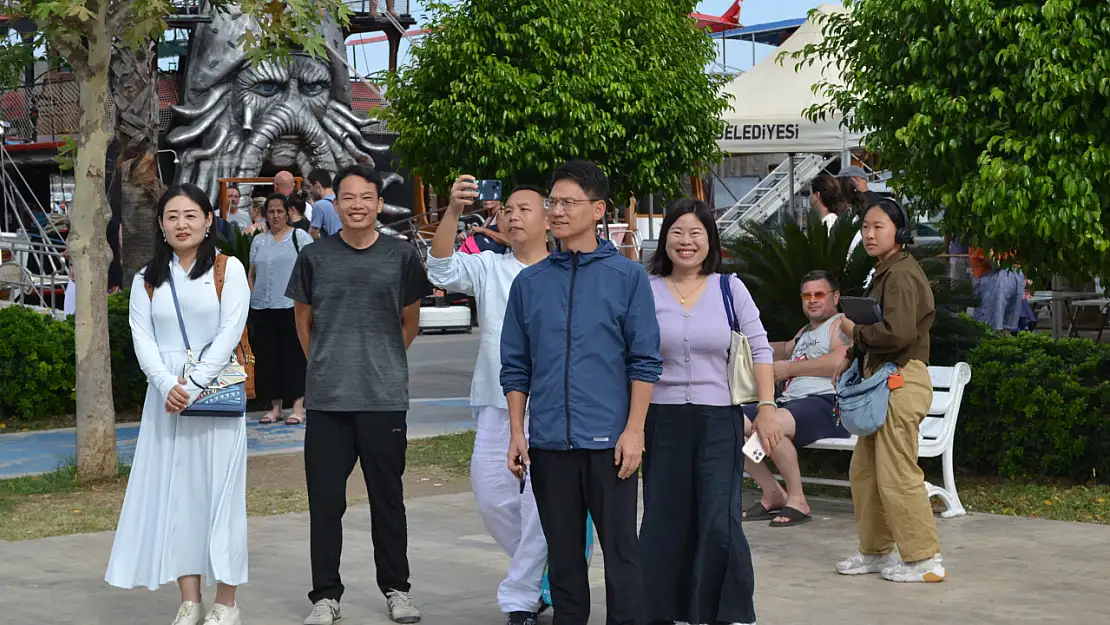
pixel 579 328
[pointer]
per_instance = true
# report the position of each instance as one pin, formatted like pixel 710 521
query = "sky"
pixel 374 57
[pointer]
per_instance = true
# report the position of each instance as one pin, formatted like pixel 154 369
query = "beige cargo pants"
pixel 888 488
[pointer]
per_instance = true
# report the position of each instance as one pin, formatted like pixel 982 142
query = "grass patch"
pixel 1084 503
pixel 448 454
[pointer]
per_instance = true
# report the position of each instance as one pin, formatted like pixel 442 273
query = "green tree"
pixel 510 89
pixel 82 32
pixel 993 111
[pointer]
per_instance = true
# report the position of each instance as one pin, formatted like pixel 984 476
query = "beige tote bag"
pixel 741 369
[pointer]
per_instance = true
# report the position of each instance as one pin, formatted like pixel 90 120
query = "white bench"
pixel 938 434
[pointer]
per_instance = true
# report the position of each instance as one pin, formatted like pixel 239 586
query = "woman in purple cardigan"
pixel 694 558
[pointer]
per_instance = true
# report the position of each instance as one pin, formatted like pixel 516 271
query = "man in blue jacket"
pixel 580 340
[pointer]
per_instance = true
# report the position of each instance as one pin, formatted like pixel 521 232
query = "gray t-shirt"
pixel 240 218
pixel 357 360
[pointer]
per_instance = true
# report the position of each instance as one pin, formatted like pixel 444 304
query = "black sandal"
pixel 759 513
pixel 793 516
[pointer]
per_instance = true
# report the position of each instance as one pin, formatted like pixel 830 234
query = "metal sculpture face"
pixel 239 119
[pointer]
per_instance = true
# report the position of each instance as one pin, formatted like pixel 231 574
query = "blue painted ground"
pixel 31 453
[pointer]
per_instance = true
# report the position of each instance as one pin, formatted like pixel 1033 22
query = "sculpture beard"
pixel 277 113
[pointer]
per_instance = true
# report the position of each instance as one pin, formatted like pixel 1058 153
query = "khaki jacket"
pixel 906 299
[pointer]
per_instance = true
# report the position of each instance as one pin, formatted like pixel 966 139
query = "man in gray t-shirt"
pixel 356 297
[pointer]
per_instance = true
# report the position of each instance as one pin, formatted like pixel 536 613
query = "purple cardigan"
pixel 694 345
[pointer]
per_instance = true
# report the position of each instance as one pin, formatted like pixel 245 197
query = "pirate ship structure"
pixel 219 117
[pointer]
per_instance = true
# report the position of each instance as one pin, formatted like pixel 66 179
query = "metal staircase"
pixel 772 193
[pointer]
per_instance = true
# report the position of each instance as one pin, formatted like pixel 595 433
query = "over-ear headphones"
pixel 903 235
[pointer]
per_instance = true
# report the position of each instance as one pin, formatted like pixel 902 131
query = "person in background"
pixel 888 487
pixel 240 218
pixel 826 199
pixel 279 360
pixel 1001 291
pixel 507 508
pixel 325 221
pixel 697 567
pixel 356 297
pixel 297 207
pixel 806 365
pixel 258 215
pixel 580 348
pixel 856 177
pixel 284 183
pixel 184 515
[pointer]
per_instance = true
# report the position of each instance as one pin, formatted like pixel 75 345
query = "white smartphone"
pixel 754 449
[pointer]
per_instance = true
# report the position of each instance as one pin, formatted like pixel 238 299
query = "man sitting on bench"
pixel 806 412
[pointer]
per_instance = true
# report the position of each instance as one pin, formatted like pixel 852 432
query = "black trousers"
pixel 333 441
pixel 697 566
pixel 279 369
pixel 567 485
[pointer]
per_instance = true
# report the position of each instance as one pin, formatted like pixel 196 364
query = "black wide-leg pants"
pixel 697 566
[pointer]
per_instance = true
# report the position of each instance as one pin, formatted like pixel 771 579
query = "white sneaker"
pixel 324 612
pixel 930 571
pixel 401 607
pixel 221 614
pixel 190 613
pixel 861 564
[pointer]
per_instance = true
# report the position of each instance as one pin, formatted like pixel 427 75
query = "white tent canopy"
pixel 766 114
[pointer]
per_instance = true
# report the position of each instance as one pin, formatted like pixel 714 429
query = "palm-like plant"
pixel 772 259
pixel 238 245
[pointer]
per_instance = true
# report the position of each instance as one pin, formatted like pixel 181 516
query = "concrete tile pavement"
pixel 1001 570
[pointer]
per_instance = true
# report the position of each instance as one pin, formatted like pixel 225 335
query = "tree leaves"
pixel 996 112
pixel 510 90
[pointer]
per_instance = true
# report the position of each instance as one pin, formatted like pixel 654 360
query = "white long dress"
pixel 185 512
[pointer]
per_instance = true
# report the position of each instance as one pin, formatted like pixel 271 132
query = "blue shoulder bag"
pixel 226 396
pixel 862 402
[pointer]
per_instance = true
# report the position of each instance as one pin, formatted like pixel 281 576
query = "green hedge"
pixel 37 369
pixel 37 363
pixel 1037 407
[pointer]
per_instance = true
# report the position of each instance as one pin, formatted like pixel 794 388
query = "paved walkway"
pixel 1001 570
pixel 29 453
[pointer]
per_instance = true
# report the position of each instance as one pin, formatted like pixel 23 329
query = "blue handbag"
pixel 862 402
pixel 226 396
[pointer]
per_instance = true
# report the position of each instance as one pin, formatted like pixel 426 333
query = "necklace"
pixel 681 297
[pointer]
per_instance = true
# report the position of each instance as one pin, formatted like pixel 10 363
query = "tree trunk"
pixel 88 247
pixel 135 90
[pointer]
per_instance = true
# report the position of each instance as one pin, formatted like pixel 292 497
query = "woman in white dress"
pixel 185 513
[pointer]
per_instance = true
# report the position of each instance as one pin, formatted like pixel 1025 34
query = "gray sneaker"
pixel 324 612
pixel 401 607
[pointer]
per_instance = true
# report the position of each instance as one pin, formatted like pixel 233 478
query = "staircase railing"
pixel 772 193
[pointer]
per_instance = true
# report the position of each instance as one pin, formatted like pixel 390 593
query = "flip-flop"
pixel 267 420
pixel 759 513
pixel 293 420
pixel 793 517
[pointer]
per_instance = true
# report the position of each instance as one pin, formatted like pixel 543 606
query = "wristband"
pixel 766 403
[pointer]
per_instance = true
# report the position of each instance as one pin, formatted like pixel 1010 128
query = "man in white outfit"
pixel 507 510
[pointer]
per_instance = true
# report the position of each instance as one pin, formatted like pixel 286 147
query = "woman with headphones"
pixel 888 488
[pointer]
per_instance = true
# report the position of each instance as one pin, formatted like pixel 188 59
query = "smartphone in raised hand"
pixel 488 190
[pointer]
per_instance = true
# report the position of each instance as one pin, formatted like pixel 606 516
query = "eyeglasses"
pixel 816 296
pixel 568 204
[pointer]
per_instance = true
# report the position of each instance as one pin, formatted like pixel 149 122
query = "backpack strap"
pixel 221 269
pixel 296 244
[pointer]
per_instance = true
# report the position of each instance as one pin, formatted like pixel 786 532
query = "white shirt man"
pixel 507 507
